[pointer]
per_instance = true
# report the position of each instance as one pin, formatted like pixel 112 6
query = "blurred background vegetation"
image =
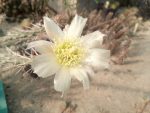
pixel 18 9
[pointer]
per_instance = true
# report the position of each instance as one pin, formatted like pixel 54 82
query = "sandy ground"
pixel 121 89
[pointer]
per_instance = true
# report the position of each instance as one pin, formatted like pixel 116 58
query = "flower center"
pixel 69 53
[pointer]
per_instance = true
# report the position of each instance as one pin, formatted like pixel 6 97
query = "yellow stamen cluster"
pixel 69 53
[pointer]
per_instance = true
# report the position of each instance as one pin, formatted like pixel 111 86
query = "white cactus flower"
pixel 69 55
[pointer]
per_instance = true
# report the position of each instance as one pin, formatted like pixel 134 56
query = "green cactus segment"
pixel 3 105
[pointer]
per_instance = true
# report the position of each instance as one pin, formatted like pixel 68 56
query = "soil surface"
pixel 121 89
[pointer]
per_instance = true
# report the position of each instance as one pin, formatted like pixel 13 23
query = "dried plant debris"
pixel 28 70
pixel 12 48
pixel 16 61
pixel 145 7
pixel 116 28
pixel 63 19
pixel 18 9
pixel 116 38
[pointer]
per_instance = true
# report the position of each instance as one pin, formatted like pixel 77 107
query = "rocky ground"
pixel 121 89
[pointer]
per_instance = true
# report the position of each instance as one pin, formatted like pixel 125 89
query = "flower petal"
pixel 65 30
pixel 89 71
pixel 98 58
pixel 93 40
pixel 41 46
pixel 52 29
pixel 62 80
pixel 81 74
pixel 76 27
pixel 45 65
